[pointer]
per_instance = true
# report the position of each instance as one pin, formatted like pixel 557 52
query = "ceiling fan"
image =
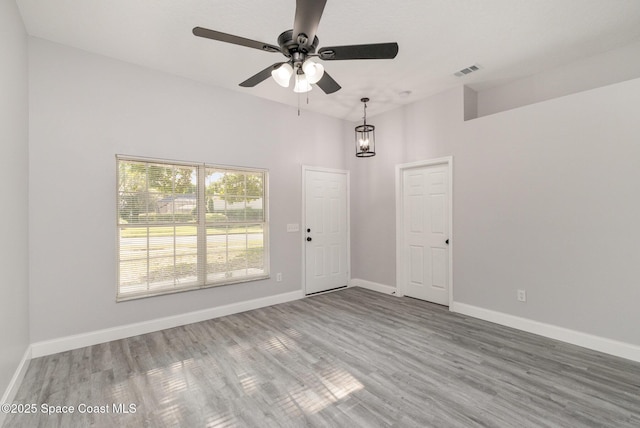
pixel 299 46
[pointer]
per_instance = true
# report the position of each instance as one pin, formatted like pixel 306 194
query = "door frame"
pixel 303 226
pixel 400 260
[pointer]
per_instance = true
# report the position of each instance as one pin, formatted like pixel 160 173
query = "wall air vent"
pixel 468 70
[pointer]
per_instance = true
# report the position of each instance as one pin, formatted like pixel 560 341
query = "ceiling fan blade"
pixel 308 14
pixel 327 84
pixel 236 40
pixel 371 51
pixel 260 76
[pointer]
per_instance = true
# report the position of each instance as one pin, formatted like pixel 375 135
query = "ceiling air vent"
pixel 468 70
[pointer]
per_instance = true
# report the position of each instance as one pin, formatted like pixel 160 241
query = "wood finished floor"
pixel 353 358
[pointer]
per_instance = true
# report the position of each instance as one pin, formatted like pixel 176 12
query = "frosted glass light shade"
pixel 282 75
pixel 302 84
pixel 313 71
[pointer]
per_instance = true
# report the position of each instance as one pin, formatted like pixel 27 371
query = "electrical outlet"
pixel 279 277
pixel 522 295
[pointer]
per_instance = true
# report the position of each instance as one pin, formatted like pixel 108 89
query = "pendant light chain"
pixel 365 113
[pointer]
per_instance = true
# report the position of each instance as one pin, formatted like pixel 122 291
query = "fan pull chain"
pixel 298 104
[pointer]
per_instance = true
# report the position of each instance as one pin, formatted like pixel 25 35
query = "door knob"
pixel 308 238
pixel 446 242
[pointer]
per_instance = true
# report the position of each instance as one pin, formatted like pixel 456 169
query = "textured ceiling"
pixel 509 39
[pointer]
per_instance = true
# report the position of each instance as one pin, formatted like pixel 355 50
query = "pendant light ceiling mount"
pixel 365 136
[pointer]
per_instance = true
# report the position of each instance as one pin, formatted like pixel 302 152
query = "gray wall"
pixel 595 71
pixel 546 198
pixel 419 131
pixel 14 214
pixel 86 108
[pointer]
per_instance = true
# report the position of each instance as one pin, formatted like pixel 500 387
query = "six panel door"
pixel 325 231
pixel 425 254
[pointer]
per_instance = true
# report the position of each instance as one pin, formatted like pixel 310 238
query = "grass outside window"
pixel 185 226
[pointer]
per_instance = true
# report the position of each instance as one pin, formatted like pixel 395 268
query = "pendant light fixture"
pixel 365 136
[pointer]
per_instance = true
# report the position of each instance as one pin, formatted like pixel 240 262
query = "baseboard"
pixel 12 389
pixel 68 343
pixel 596 343
pixel 373 286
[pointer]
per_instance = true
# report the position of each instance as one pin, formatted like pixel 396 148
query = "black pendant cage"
pixel 365 136
pixel 365 141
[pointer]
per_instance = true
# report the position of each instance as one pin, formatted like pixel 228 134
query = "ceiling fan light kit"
pixel 299 45
pixel 313 71
pixel 282 74
pixel 365 136
pixel 302 84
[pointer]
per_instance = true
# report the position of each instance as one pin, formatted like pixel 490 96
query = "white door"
pixel 325 230
pixel 425 240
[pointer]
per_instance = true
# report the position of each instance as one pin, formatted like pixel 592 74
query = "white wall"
pixel 86 108
pixel 546 198
pixel 14 214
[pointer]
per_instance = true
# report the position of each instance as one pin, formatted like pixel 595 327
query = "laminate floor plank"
pixel 351 358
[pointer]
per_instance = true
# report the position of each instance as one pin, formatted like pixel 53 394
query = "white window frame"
pixel 201 225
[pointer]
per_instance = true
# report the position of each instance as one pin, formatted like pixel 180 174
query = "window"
pixel 183 226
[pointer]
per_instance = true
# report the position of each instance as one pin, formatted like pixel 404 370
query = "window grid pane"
pixel 234 196
pixel 235 251
pixel 158 222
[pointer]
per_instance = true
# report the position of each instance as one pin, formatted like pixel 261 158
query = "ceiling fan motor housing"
pixel 289 46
